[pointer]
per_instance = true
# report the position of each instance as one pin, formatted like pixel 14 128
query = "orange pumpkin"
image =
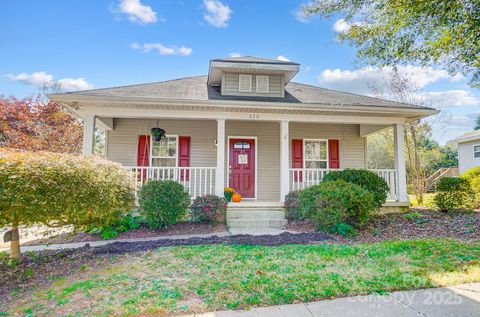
pixel 236 198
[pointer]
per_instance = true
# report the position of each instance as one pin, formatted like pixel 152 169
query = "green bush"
pixel 343 229
pixel 163 203
pixel 61 189
pixel 130 221
pixel 291 206
pixel 333 202
pixel 453 193
pixel 365 178
pixel 473 175
pixel 209 209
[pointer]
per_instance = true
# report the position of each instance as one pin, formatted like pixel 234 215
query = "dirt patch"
pixel 181 228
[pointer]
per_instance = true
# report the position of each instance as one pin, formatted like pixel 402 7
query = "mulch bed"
pixel 429 224
pixel 180 228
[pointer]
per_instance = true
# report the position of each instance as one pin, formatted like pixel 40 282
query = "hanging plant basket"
pixel 157 134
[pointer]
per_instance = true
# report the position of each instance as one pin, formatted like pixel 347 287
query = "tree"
pixel 477 123
pixel 56 189
pixel 421 150
pixel 34 124
pixel 431 32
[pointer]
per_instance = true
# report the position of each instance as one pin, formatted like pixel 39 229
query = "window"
pixel 164 152
pixel 262 84
pixel 315 153
pixel 476 151
pixel 245 83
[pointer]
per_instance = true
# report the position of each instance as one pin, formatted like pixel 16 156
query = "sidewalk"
pixel 76 245
pixel 461 300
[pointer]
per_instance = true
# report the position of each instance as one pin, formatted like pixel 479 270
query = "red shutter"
pixel 333 154
pixel 143 151
pixel 297 158
pixel 184 156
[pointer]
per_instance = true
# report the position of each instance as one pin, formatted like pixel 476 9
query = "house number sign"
pixel 253 116
pixel 242 159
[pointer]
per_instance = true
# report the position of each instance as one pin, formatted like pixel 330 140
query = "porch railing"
pixel 301 178
pixel 198 181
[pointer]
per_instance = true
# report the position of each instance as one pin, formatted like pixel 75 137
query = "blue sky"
pixel 93 44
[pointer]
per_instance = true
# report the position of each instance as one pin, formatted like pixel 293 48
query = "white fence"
pixel 301 178
pixel 198 181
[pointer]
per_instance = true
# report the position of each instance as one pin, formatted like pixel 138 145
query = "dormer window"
pixel 262 84
pixel 245 83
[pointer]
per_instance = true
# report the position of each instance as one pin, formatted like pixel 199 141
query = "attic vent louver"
pixel 262 84
pixel 245 83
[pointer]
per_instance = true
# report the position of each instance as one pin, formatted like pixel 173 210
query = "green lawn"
pixel 427 200
pixel 203 278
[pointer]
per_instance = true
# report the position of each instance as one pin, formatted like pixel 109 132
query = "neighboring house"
pixel 245 125
pixel 468 150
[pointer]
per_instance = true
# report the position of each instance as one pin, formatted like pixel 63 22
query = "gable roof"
pixel 196 89
pixel 467 137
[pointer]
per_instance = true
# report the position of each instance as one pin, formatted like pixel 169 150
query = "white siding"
pixel 230 84
pixel 466 160
pixel 123 140
pixel 352 146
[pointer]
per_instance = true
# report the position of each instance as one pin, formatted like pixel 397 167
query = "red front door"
pixel 242 166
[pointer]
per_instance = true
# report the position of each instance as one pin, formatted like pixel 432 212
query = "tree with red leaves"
pixel 35 124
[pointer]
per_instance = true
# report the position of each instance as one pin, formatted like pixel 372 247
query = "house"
pixel 245 125
pixel 468 150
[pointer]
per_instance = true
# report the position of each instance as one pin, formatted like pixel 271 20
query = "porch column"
pixel 284 166
pixel 398 136
pixel 220 174
pixel 88 134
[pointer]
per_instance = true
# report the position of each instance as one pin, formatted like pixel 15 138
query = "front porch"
pixel 266 159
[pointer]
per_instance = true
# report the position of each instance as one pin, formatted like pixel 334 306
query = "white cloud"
pixel 458 98
pixel 162 50
pixel 46 81
pixel 233 54
pixel 73 84
pixel 283 58
pixel 341 26
pixel 217 13
pixel 358 80
pixel 37 79
pixel 137 12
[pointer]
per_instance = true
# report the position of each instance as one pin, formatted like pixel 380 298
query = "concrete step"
pixel 255 214
pixel 256 223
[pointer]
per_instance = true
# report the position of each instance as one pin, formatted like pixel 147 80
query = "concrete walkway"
pixel 76 245
pixel 461 301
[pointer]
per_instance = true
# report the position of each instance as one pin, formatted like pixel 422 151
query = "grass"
pixel 202 278
pixel 427 200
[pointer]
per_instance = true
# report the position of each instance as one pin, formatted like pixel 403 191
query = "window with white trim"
pixel 315 153
pixel 262 83
pixel 245 83
pixel 476 151
pixel 164 152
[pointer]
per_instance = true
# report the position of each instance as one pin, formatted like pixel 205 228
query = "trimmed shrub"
pixel 209 209
pixel 473 175
pixel 365 178
pixel 453 193
pixel 61 189
pixel 130 221
pixel 291 206
pixel 333 202
pixel 163 203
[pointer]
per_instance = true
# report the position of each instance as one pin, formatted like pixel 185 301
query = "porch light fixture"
pixel 157 133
